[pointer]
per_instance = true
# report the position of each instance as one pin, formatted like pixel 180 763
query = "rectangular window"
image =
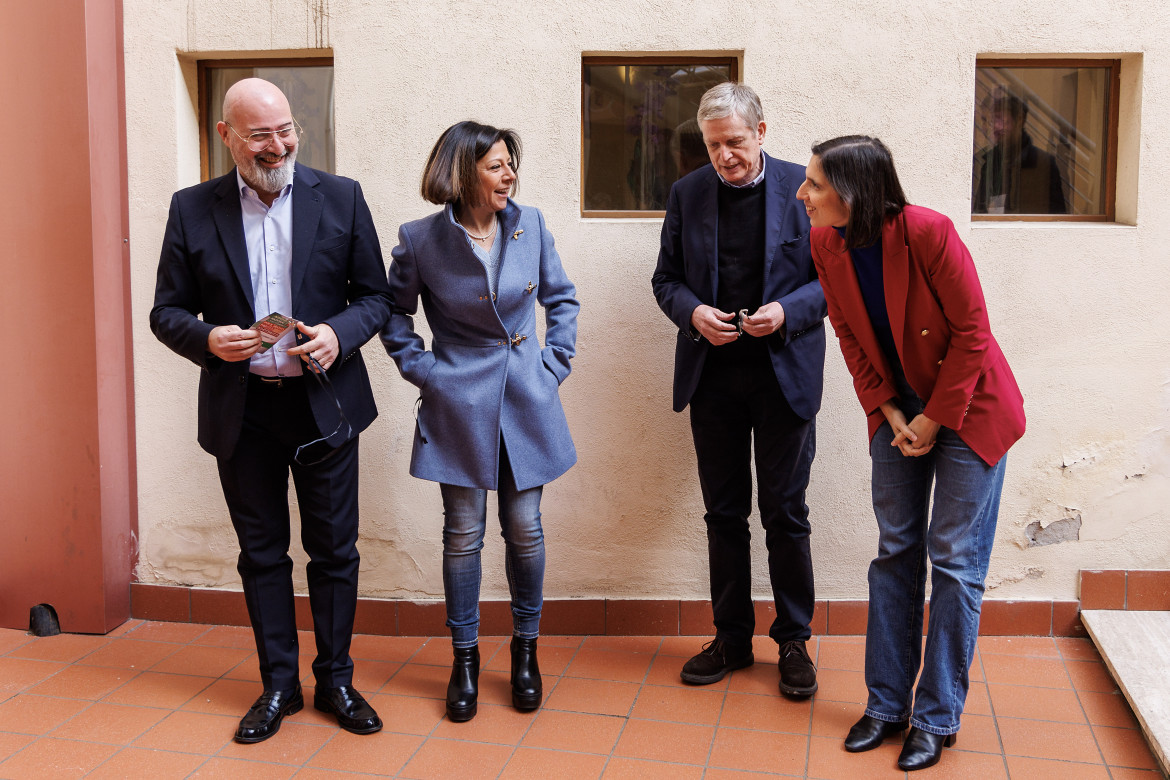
pixel 308 84
pixel 639 132
pixel 1045 141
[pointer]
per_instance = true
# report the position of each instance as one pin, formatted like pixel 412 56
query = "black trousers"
pixel 734 401
pixel 255 483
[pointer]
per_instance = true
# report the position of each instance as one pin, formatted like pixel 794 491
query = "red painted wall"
pixel 67 498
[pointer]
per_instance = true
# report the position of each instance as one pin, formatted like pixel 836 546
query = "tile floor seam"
pixel 1077 693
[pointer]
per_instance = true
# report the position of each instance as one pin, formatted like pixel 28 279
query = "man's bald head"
pixel 252 94
pixel 256 111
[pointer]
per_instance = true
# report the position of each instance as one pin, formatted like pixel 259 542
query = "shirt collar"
pixel 753 182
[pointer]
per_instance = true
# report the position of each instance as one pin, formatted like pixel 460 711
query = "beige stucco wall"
pixel 1080 310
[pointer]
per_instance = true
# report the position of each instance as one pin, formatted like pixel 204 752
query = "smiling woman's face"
pixel 821 202
pixel 496 177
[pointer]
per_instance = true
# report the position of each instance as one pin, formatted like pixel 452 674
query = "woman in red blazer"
pixel 943 409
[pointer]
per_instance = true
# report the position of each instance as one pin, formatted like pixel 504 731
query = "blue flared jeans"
pixel 956 537
pixel 464 524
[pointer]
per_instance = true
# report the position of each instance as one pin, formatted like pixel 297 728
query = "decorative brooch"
pixel 516 235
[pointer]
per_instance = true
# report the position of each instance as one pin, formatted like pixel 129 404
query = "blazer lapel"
pixel 775 202
pixel 229 221
pixel 307 206
pixel 708 221
pixel 847 290
pixel 896 277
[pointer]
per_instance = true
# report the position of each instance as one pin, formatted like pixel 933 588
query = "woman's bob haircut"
pixel 861 170
pixel 450 175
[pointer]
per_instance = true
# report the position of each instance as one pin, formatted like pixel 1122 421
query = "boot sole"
pixel 707 679
pixel 527 703
pixel 799 693
pixel 461 714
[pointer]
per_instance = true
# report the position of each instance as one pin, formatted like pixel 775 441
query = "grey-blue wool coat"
pixel 485 376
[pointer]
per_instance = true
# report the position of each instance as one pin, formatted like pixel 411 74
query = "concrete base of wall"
pixel 629 617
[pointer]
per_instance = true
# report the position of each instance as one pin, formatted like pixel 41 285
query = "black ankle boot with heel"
pixel 463 690
pixel 527 691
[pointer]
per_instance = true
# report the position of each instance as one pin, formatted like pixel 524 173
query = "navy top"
pixel 867 264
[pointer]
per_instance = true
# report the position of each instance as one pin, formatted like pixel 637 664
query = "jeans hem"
pixel 884 717
pixel 941 731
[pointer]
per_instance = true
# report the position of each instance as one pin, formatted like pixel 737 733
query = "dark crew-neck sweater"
pixel 741 262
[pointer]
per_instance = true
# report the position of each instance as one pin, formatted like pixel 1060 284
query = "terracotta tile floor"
pixel 161 700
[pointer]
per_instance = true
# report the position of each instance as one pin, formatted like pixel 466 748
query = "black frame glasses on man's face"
pixel 320 450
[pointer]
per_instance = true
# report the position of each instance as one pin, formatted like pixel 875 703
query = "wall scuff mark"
pixel 1066 530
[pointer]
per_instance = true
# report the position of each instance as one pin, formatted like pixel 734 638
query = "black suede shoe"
pixel 263 718
pixel 798 676
pixel 922 749
pixel 714 662
pixel 527 691
pixel 868 733
pixel 353 713
pixel 463 689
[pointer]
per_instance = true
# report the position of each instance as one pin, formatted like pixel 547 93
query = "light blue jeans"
pixel 464 524
pixel 957 540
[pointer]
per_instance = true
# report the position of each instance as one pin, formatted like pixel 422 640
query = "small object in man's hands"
pixel 272 329
pixel 739 315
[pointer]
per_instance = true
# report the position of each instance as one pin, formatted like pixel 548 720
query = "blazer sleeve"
pixel 399 338
pixel 872 390
pixel 366 290
pixel 174 319
pixel 676 299
pixel 558 297
pixel 951 272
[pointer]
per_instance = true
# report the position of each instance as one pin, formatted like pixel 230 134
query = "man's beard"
pixel 272 180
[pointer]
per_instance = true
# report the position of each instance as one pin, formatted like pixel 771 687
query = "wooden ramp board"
pixel 1136 648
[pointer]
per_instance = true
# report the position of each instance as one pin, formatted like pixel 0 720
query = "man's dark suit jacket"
pixel 688 275
pixel 338 277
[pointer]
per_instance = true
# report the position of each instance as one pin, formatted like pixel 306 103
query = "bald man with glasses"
pixel 270 244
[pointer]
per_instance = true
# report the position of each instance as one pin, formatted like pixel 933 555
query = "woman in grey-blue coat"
pixel 489 415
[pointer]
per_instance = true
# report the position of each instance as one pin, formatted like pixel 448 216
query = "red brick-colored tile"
pixel 1072 649
pixel 828 760
pixel 499 724
pixel 495 618
pixel 419 680
pixel 233 769
pixel 620 768
pixel 847 617
pixel 422 618
pixel 1066 619
pixel 19 674
pixel 609 665
pixel 10 639
pixel 674 742
pixel 295 744
pixel 573 617
pixel 239 637
pixel 151 689
pixel 10 744
pixel 763 678
pixel 1148 590
pixel 840 685
pixel 63 648
pixel 574 732
pixel 622 644
pixel 764 713
pixel 449 758
pixel 159 602
pixel 1015 618
pixel 155 764
pixel 759 751
pixel 1107 709
pixel 180 633
pixel 1043 739
pixel 1045 769
pixel 115 724
pixel 666 669
pixel 219 607
pixel 820 619
pixel 1025 670
pixel 599 697
pixel 834 718
pixel 641 617
pixel 1122 773
pixel 27 714
pixel 846 653
pixel 83 682
pixel 202 661
pixel 1102 589
pixel 123 629
pixel 408 714
pixel 1018 701
pixel 225 697
pixel 534 764
pixel 1039 646
pixel 437 652
pixel 190 732
pixel 48 759
pixel 383 753
pixel 695 618
pixel 399 649
pixel 303 613
pixel 1124 747
pixel 1091 676
pixel 553 660
pixel 496 688
pixel 680 705
pixel 978 699
pixel 765 613
pixel 978 733
pixel 377 617
pixel 130 654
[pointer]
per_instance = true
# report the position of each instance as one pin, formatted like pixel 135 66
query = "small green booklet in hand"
pixel 272 329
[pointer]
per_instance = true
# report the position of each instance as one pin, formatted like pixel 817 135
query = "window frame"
pixel 205 65
pixel 1113 115
pixel 732 59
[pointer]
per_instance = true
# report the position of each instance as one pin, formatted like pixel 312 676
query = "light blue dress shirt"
pixel 268 235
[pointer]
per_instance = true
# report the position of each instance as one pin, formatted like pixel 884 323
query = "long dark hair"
pixel 861 170
pixel 450 175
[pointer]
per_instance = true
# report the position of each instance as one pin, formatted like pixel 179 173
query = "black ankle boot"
pixel 463 690
pixel 526 688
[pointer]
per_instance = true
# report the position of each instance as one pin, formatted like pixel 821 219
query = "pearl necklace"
pixel 495 226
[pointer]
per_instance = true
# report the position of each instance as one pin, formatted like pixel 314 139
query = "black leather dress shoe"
pixel 922 749
pixel 868 733
pixel 527 690
pixel 263 718
pixel 353 713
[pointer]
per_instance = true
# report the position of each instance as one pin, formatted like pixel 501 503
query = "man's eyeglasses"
pixel 259 141
pixel 319 450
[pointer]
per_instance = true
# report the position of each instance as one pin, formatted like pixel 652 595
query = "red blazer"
pixel 939 320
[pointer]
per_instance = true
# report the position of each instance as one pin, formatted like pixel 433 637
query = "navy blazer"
pixel 688 275
pixel 338 277
pixel 486 376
